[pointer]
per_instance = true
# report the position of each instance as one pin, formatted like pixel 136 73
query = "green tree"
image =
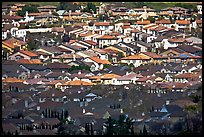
pixel 90 7
pixel 68 6
pixel 29 8
pixel 152 19
pixel 32 45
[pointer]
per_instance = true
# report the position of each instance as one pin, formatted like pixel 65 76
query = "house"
pixel 143 46
pixel 102 26
pixel 47 9
pixel 182 25
pixel 23 54
pixel 164 22
pixel 66 58
pixel 127 79
pixel 99 64
pixel 136 60
pixel 106 40
pixel 101 53
pixel 133 49
pixel 58 67
pixel 13 45
pixel 155 59
pixel 109 79
pixel 141 23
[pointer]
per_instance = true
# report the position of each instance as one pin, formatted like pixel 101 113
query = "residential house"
pixel 155 59
pixel 133 49
pixel 182 25
pixel 143 46
pixel 23 54
pixel 47 9
pixel 98 63
pixel 127 79
pixel 136 60
pixel 13 45
pixel 66 58
pixel 106 40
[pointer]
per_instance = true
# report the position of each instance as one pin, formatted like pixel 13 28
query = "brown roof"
pixel 78 83
pixel 57 29
pixel 183 22
pixel 90 42
pixel 12 80
pixel 47 7
pixel 28 61
pixel 100 61
pixel 11 17
pixel 102 23
pixel 107 37
pixel 110 76
pixel 144 22
pixel 136 57
pixel 135 30
pixel 179 40
pixel 12 43
pixel 163 21
pixel 35 14
pixel 186 75
pixel 152 55
pixel 28 53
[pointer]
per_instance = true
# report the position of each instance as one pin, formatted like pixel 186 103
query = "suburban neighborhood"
pixel 101 68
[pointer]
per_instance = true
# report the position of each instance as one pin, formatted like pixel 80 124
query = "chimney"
pixel 26 103
pixel 167 102
pixel 10 13
pixel 121 111
pixel 79 72
pixel 142 20
pixel 50 12
pixel 126 73
pixel 84 111
pixel 74 57
pixel 38 108
pixel 26 14
pixel 184 35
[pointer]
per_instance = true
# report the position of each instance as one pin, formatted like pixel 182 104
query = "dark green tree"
pixel 90 7
pixel 29 8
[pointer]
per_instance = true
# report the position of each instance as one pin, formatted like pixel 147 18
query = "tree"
pixel 68 6
pixel 152 19
pixel 32 45
pixel 29 8
pixel 90 7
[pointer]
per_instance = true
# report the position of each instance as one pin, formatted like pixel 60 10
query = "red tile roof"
pixel 27 61
pixel 152 55
pixel 145 22
pixel 78 83
pixel 183 22
pixel 107 37
pixel 12 80
pixel 163 21
pixel 91 42
pixel 28 53
pixel 96 59
pixel 136 57
pixel 102 23
pixel 12 43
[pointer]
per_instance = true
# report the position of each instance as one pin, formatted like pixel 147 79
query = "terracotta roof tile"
pixel 145 22
pixel 12 43
pixel 96 59
pixel 102 23
pixel 135 30
pixel 163 21
pixel 183 22
pixel 27 61
pixel 110 76
pixel 152 55
pixel 78 83
pixel 28 53
pixel 12 80
pixel 136 57
pixel 90 42
pixel 199 21
pixel 107 37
